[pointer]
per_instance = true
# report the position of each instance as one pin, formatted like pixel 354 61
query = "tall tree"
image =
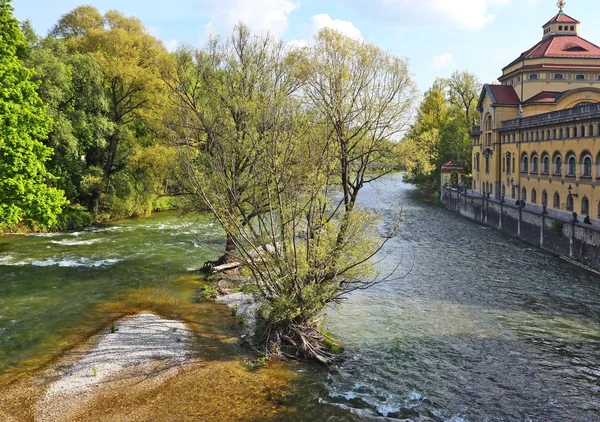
pixel 227 97
pixel 128 58
pixel 25 193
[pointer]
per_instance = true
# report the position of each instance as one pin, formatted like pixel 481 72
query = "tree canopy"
pixel 26 194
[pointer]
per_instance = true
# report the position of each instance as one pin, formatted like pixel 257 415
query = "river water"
pixel 472 326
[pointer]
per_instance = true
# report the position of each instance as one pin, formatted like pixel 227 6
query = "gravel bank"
pixel 137 346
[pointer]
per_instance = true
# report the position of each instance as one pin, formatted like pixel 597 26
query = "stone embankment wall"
pixel 557 232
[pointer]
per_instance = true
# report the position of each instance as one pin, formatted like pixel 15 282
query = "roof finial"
pixel 561 4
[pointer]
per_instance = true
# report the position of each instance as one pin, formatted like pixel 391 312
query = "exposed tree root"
pixel 296 341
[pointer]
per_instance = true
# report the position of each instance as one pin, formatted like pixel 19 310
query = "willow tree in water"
pixel 301 243
pixel 224 96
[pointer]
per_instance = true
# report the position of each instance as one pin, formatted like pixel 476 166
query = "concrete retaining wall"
pixel 535 225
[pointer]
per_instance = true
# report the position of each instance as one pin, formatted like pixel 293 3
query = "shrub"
pixel 73 217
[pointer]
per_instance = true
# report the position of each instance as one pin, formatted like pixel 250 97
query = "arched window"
pixel 572 166
pixel 585 206
pixel 488 130
pixel 558 165
pixel 487 163
pixel 524 164
pixel 524 194
pixel 534 164
pixel 477 161
pixel 508 162
pixel 546 164
pixel 586 171
pixel 513 193
pixel 544 198
pixel 570 203
pixel 556 200
pixel 534 196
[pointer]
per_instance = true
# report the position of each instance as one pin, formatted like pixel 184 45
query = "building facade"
pixel 538 140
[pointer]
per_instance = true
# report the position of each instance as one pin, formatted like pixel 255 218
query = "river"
pixel 472 326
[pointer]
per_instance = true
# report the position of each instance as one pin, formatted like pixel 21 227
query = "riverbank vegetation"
pixel 441 131
pixel 276 142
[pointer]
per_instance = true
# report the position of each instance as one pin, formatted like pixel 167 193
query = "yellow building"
pixel 539 136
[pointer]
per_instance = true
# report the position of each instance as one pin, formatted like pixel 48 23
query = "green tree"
pixel 132 97
pixel 441 131
pixel 25 193
pixel 267 154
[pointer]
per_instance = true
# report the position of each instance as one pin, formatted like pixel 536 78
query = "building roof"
pixel 561 18
pixel 561 46
pixel 454 167
pixel 504 94
pixel 499 94
pixel 544 97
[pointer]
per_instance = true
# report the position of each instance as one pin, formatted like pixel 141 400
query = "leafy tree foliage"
pixel 25 191
pixel 442 129
pixel 277 146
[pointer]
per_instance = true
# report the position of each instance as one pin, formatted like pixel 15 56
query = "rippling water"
pixel 484 327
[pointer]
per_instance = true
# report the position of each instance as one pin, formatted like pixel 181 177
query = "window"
pixel 533 196
pixel 524 164
pixel 546 165
pixel 585 206
pixel 574 132
pixel 487 163
pixel 553 134
pixel 544 198
pixel 599 77
pixel 570 203
pixel 533 77
pixel 568 132
pixel 556 200
pixel 559 28
pixel 558 166
pixel 508 162
pixel 587 166
pixel 513 163
pixel 477 161
pixel 580 77
pixel 572 28
pixel 582 131
pixel 503 190
pixel 513 193
pixel 572 166
pixel 560 134
pixel 534 164
pixel 524 194
pixel 559 76
pixel 590 132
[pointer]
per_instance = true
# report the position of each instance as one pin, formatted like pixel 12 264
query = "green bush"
pixel 73 217
pixel 206 292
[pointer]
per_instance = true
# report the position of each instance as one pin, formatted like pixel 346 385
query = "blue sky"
pixel 437 36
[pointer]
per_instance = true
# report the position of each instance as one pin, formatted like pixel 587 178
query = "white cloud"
pixel 297 43
pixel 264 15
pixel 323 20
pixel 442 61
pixel 463 14
pixel 171 45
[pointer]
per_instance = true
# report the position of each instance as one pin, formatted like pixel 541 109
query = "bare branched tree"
pixel 278 142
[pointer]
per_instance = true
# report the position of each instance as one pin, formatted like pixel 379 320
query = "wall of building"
pixel 534 225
